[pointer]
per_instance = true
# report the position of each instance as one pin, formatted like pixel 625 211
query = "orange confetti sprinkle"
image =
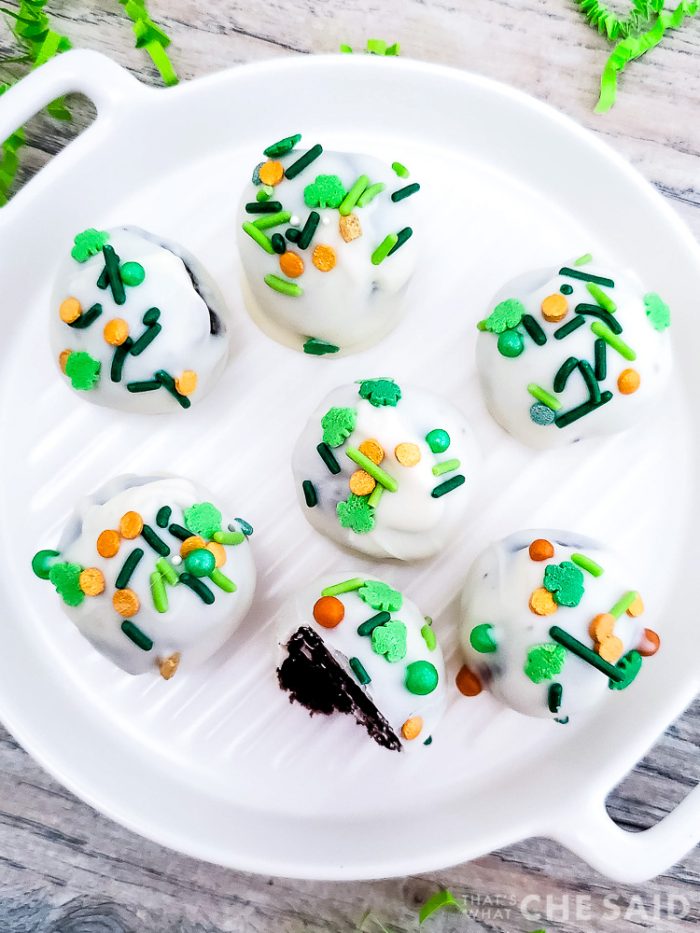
pixel 271 173
pixel 541 549
pixel 650 643
pixel 602 627
pixel 323 257
pixel 468 683
pixel 554 307
pixel 291 264
pixel 361 483
pixel 91 581
pixel 329 611
pixel 610 649
pixel 628 381
pixel 219 552
pixel 186 382
pixel 63 359
pixel 542 602
pixel 126 603
pixel 350 228
pixel 412 728
pixel 637 607
pixel 407 454
pixel 108 543
pixel 70 310
pixel 168 666
pixel 130 525
pixel 116 331
pixel 373 450
pixel 194 543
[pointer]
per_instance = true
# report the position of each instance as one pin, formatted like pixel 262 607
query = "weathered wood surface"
pixel 65 869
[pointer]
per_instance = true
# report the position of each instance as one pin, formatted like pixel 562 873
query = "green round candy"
pixel 541 414
pixel 421 678
pixel 510 343
pixel 481 639
pixel 566 289
pixel 438 440
pixel 200 562
pixel 42 561
pixel 132 273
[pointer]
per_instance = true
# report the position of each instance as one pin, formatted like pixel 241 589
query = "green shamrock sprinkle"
pixel 630 665
pixel 66 578
pixel 203 519
pixel 657 310
pixel 317 347
pixel 83 370
pixel 505 316
pixel 390 640
pixel 380 596
pixel 326 191
pixel 356 513
pixel 544 662
pixel 380 392
pixel 338 424
pixel 565 582
pixel 88 243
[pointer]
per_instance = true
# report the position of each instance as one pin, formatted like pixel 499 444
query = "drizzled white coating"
pixel 355 304
pixel 185 341
pixel 410 523
pixel 387 689
pixel 497 591
pixel 504 380
pixel 189 626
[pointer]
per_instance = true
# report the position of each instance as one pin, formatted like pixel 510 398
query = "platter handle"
pixel 631 857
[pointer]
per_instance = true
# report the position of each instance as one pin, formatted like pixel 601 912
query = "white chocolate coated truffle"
pixel 510 604
pixel 398 664
pixel 418 504
pixel 116 363
pixel 537 338
pixel 344 302
pixel 188 626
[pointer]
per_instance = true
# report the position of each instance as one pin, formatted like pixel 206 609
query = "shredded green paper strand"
pixel 640 31
pixel 151 38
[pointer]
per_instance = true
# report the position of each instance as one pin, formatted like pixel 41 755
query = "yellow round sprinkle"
pixel 91 581
pixel 108 543
pixel 116 331
pixel 186 382
pixel 637 607
pixel 219 552
pixel 628 381
pixel 194 543
pixel 610 649
pixel 542 602
pixel 271 173
pixel 407 454
pixel 130 525
pixel 63 359
pixel 323 257
pixel 168 666
pixel 554 307
pixel 291 264
pixel 361 483
pixel 70 310
pixel 350 227
pixel 412 728
pixel 373 450
pixel 126 603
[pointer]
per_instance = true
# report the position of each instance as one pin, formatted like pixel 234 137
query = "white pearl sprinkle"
pixel 177 560
pixel 295 221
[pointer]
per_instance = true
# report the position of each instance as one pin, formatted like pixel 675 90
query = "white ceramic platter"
pixel 217 763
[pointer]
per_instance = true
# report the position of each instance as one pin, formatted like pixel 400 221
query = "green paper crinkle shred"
pixel 151 38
